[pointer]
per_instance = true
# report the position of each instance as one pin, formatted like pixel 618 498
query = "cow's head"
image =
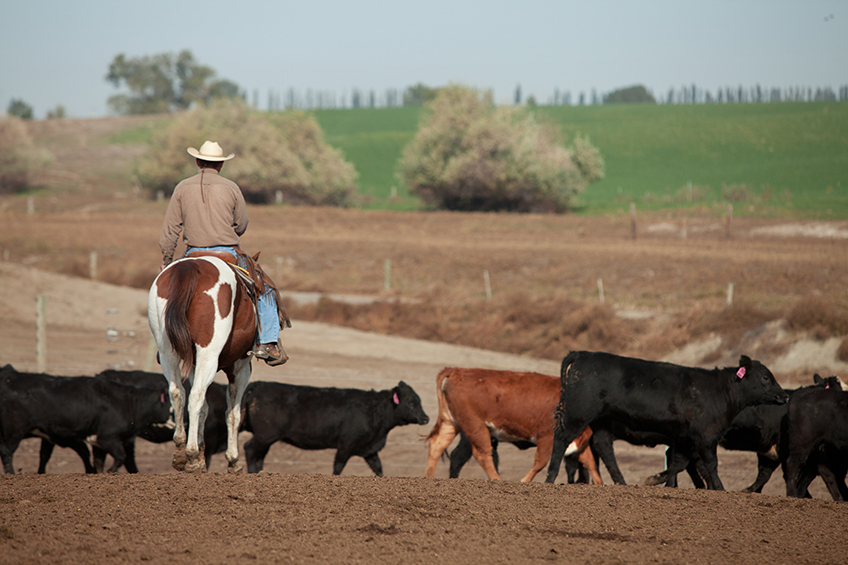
pixel 407 405
pixel 832 382
pixel 758 383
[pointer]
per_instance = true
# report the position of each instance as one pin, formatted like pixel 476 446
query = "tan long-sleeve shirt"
pixel 208 209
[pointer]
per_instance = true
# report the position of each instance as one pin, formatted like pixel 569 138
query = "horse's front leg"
pixel 239 377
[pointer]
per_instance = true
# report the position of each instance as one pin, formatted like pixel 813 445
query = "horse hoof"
pixel 196 467
pixel 179 462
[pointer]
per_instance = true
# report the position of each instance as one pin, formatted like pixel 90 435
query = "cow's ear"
pixel 744 361
pixel 817 379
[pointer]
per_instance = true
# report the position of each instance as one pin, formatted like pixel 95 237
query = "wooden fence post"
pixel 40 335
pixel 387 275
pixel 633 220
pixel 729 218
pixel 487 284
pixel 92 265
pixel 601 290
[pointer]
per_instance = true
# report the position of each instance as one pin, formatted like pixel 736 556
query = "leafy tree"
pixel 19 158
pixel 57 113
pixel 470 155
pixel 637 94
pixel 19 109
pixel 164 82
pixel 418 95
pixel 282 151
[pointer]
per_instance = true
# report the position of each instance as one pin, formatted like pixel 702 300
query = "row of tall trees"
pixel 693 94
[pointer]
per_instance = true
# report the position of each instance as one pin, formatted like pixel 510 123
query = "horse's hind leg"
pixel 239 379
pixel 204 374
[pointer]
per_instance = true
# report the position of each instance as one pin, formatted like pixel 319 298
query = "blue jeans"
pixel 266 305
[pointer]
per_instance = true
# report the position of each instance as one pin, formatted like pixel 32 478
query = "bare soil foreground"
pixel 309 518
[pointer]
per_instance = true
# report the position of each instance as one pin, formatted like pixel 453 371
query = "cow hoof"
pixel 235 467
pixel 655 480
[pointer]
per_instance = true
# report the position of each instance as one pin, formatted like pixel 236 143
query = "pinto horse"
pixel 203 321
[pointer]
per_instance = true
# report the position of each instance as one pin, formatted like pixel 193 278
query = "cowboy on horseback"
pixel 211 213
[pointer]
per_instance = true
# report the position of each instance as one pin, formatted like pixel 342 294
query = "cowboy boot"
pixel 272 353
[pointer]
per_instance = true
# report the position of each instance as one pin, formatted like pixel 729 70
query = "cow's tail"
pixel 559 413
pixel 181 289
pixel 441 382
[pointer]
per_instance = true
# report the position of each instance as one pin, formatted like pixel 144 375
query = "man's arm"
pixel 240 214
pixel 172 226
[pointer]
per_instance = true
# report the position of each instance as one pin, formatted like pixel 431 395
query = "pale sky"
pixel 58 52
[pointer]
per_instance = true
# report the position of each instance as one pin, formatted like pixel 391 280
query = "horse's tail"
pixel 181 290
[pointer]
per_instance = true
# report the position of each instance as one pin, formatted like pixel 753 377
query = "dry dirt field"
pixel 665 298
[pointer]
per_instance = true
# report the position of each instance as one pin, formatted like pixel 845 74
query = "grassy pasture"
pixel 772 159
pixel 775 160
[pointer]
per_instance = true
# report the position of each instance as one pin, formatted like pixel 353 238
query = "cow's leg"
pixel 667 477
pixel 115 448
pixel 710 461
pixel 44 453
pixel 81 449
pixel 98 457
pixel 438 444
pixel 696 470
pixel 563 436
pixel 254 453
pixel 602 444
pixel 481 449
pixel 765 467
pixel 340 461
pixel 235 393
pixel 793 469
pixel 7 453
pixel 460 456
pixel 374 462
pixel 544 446
pixel 830 481
pixel 129 462
pixel 587 460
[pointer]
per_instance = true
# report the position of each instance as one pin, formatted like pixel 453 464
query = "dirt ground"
pixel 665 297
pixel 297 512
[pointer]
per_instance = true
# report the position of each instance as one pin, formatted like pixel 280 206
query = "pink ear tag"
pixel 741 372
pixel 162 398
pixel 395 399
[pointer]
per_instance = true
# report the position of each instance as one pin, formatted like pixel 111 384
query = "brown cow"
pixel 506 405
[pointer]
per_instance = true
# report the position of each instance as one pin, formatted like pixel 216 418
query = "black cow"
pixel 351 421
pixel 67 410
pixel 758 429
pixel 692 407
pixel 214 431
pixel 817 439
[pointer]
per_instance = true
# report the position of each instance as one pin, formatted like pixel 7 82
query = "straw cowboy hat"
pixel 210 151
